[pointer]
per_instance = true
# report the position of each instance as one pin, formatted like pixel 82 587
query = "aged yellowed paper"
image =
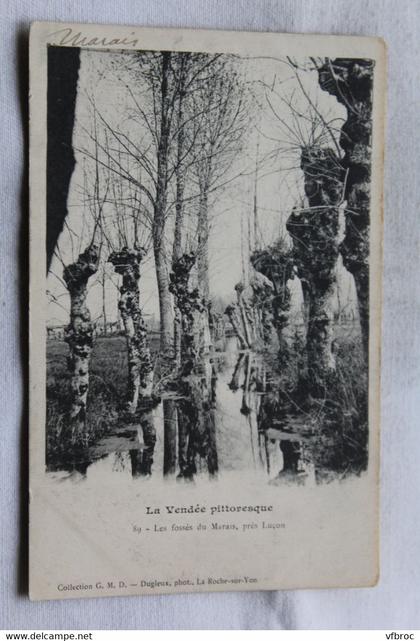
pixel 205 300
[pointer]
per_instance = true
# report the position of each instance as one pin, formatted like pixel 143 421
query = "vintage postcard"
pixel 206 220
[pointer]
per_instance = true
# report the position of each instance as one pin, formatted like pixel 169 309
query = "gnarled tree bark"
pixel 203 261
pixel 314 231
pixel 140 379
pixel 79 337
pixel 351 82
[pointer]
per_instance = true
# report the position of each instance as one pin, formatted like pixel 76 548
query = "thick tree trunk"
pixel 306 301
pixel 79 336
pixel 142 460
pixel 104 304
pixel 245 315
pixel 315 240
pixel 159 218
pixel 140 379
pixel 351 82
pixel 190 307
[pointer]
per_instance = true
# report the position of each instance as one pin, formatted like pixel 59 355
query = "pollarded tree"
pixel 314 231
pixel 79 333
pixel 79 336
pixel 351 82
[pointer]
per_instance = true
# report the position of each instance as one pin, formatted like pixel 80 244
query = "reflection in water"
pixel 169 436
pixel 234 382
pixel 230 414
pixel 196 423
pixel 142 459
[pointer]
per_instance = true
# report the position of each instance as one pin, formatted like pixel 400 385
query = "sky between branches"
pixel 279 185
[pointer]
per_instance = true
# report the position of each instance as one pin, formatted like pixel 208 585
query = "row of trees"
pixel 150 175
pixel 151 172
pixel 309 394
pixel 335 164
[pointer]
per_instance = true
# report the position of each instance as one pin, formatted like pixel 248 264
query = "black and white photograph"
pixel 208 249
